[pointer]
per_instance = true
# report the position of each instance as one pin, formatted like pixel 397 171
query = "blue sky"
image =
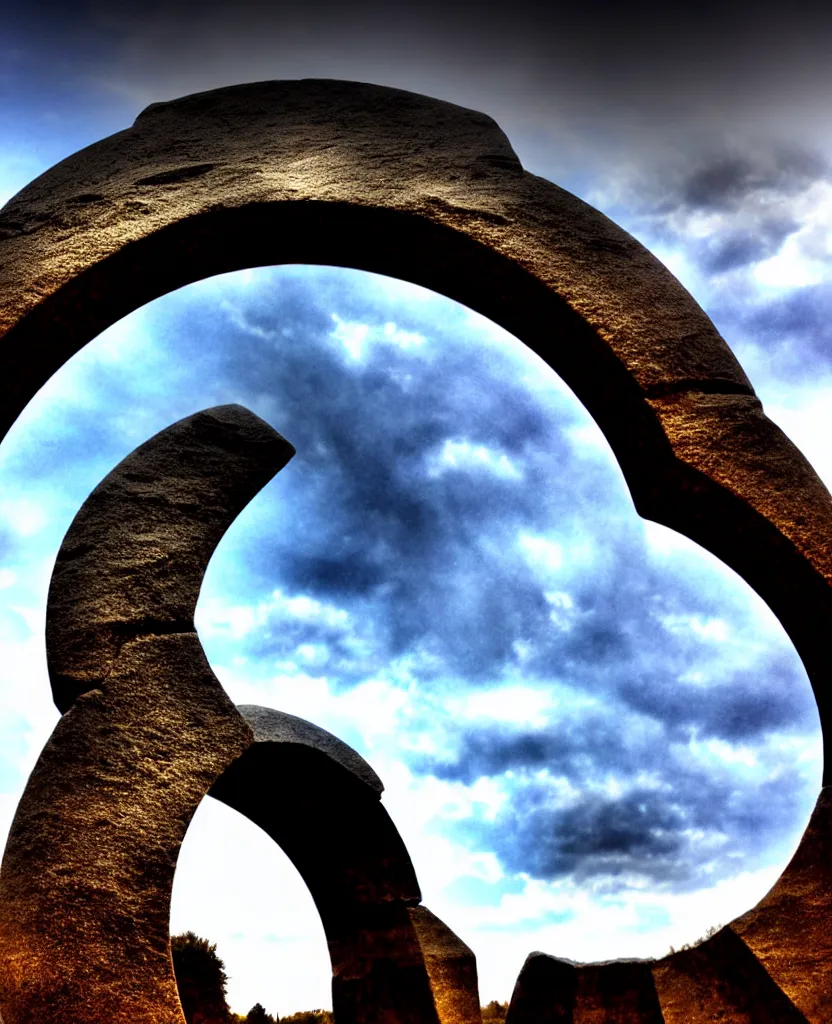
pixel 595 739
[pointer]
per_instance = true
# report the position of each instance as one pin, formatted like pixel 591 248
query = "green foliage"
pixel 201 977
pixel 309 1017
pixel 201 980
pixel 257 1015
pixel 691 945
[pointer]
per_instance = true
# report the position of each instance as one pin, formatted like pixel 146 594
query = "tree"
pixel 257 1015
pixel 201 979
pixel 494 1011
pixel 309 1017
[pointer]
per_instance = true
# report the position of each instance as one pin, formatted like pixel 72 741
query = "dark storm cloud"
pixel 738 708
pixel 753 193
pixel 677 823
pixel 750 197
pixel 571 85
pixel 733 249
pixel 799 321
pixel 703 830
pixel 423 557
pixel 380 523
pixel 727 181
pixel 733 209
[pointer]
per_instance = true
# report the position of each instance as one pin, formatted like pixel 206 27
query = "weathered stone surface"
pixel 789 930
pixel 544 992
pixel 554 991
pixel 452 969
pixel 348 144
pixel 133 559
pixel 270 726
pixel 88 868
pixel 392 960
pixel 720 982
pixel 616 992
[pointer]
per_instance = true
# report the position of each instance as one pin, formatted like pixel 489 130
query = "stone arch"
pixel 327 172
pixel 392 959
pixel 147 731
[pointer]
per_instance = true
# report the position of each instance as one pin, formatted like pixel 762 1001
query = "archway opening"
pixel 596 740
pixel 235 886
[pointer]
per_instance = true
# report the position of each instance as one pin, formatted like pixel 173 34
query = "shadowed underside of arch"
pixel 328 172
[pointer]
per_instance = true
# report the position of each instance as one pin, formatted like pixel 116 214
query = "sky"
pixel 596 740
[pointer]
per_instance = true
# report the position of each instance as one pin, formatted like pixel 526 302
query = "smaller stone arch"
pixel 392 959
pixel 147 731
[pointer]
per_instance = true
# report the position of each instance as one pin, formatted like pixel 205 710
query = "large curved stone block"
pixel 88 867
pixel 328 172
pixel 148 730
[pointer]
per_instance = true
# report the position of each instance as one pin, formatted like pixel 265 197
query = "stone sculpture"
pixel 148 730
pixel 328 172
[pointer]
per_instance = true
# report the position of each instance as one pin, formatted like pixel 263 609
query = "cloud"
pixel 732 179
pixel 372 565
pixel 608 799
pixel 581 96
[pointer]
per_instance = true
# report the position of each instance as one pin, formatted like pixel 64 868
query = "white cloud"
pixel 714 629
pixel 353 336
pixel 542 552
pixel 402 339
pixel 518 704
pixel 805 257
pixel 463 455
pixel 24 516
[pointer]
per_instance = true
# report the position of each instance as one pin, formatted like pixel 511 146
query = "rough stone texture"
pixel 392 961
pixel 452 969
pixel 617 992
pixel 88 868
pixel 544 992
pixel 789 930
pixel 718 982
pixel 270 726
pixel 133 559
pixel 387 181
pixel 554 991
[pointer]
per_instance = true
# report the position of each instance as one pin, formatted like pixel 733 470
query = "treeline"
pixel 201 979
